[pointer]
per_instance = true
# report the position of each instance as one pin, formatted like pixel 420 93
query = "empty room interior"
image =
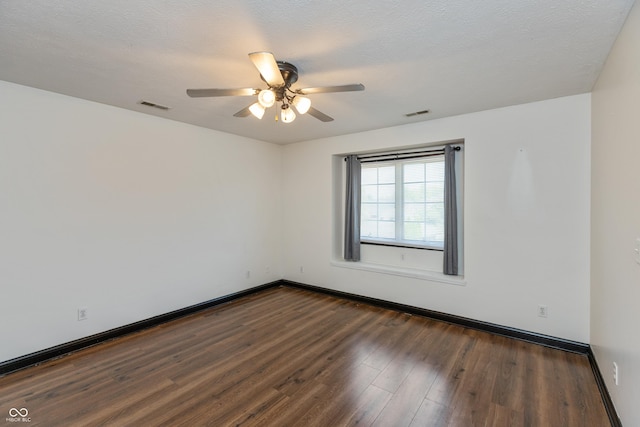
pixel 403 213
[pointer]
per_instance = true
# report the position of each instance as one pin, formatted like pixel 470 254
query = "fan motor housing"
pixel 289 73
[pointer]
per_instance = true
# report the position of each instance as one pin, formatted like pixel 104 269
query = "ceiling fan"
pixel 279 76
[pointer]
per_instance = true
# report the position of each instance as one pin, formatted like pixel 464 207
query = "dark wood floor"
pixel 288 357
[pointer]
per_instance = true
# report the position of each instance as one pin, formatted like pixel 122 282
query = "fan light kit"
pixel 279 76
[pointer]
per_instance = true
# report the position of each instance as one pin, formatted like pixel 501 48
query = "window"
pixel 403 203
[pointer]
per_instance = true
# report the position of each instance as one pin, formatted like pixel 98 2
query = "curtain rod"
pixel 401 156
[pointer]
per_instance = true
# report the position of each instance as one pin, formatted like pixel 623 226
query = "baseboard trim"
pixel 41 356
pixel 604 392
pixel 532 337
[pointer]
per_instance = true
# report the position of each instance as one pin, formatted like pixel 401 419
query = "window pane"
pixel 387 229
pixel 369 193
pixel 378 202
pixel 414 231
pixel 414 192
pixel 435 222
pixel 387 211
pixel 414 212
pixel 387 175
pixel 387 193
pixel 414 172
pixel 435 192
pixel 369 211
pixel 434 235
pixel 435 171
pixel 435 212
pixel 369 176
pixel 369 229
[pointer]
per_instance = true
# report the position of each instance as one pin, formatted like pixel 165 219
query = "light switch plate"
pixel 637 251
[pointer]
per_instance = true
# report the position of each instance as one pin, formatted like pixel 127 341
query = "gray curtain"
pixel 450 266
pixel 352 210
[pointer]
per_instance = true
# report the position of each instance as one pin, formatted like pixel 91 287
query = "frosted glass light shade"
pixel 257 110
pixel 266 98
pixel 287 115
pixel 302 104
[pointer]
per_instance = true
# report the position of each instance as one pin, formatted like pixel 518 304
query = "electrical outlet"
pixel 248 274
pixel 83 313
pixel 543 311
pixel 616 374
pixel 301 270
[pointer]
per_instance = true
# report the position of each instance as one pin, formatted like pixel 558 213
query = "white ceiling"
pixel 448 56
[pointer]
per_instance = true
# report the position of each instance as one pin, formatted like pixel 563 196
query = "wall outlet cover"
pixel 543 311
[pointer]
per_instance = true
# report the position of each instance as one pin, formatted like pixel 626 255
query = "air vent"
pixel 417 113
pixel 151 104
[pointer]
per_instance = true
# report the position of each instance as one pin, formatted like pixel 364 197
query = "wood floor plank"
pixel 407 399
pixel 499 416
pixel 296 407
pixel 367 407
pixel 290 357
pixel 343 395
pixel 402 356
pixel 431 414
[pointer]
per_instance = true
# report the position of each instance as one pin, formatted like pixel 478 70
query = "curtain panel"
pixel 450 263
pixel 352 210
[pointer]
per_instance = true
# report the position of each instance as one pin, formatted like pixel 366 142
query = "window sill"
pixel 400 245
pixel 413 273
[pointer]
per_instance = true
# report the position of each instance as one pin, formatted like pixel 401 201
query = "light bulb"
pixel 302 104
pixel 257 110
pixel 287 115
pixel 266 98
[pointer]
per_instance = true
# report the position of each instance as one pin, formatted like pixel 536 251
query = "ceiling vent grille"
pixel 417 113
pixel 151 104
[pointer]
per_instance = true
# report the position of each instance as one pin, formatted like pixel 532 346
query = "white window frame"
pixel 399 206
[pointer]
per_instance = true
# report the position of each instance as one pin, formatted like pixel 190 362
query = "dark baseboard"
pixel 532 337
pixel 66 348
pixel 604 392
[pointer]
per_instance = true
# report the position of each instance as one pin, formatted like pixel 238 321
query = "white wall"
pixel 615 210
pixel 527 184
pixel 125 214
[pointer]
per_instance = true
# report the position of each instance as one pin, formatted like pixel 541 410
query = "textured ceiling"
pixel 448 56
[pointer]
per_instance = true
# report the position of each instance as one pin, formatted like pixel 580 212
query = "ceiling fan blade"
pixel 244 112
pixel 327 89
pixel 199 93
pixel 266 63
pixel 319 115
